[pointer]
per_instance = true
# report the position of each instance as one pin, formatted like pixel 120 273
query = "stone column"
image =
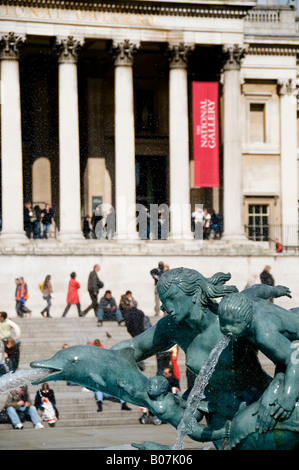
pixel 232 149
pixel 69 149
pixel 180 211
pixel 11 140
pixel 288 90
pixel 125 173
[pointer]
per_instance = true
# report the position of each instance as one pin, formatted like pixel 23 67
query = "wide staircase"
pixel 43 337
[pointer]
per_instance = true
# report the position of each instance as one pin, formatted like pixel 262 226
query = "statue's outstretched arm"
pixel 278 348
pixel 263 291
pixel 203 433
pixel 150 342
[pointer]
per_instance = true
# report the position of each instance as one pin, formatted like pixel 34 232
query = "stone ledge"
pixel 53 247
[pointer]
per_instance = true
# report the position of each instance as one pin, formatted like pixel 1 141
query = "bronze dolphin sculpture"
pixel 100 369
pixel 94 368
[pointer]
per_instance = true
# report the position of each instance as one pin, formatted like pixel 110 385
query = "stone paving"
pixel 90 438
pixel 98 435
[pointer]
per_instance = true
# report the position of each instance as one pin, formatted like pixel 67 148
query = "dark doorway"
pixel 151 180
pixel 39 104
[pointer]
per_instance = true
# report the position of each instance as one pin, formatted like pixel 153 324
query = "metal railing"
pixel 269 232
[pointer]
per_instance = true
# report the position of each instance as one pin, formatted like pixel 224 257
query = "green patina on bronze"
pixel 244 407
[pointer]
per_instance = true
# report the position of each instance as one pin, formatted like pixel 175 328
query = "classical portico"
pixel 97 109
pixel 125 197
pixel 288 91
pixel 179 141
pixel 69 151
pixel 11 139
pixel 117 103
pixel 232 143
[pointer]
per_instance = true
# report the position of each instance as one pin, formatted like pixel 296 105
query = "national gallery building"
pixel 174 103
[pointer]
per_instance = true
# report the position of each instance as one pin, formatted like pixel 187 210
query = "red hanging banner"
pixel 205 134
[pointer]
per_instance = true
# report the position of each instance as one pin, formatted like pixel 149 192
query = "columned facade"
pixel 125 194
pixel 232 140
pixel 288 91
pixel 11 139
pixel 180 221
pixel 97 108
pixel 69 153
pixel 115 117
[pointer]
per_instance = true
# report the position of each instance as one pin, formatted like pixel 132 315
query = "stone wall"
pixel 127 266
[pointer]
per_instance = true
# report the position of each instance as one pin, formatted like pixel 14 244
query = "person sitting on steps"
pixel 108 308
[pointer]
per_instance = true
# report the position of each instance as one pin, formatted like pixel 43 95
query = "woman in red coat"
pixel 73 296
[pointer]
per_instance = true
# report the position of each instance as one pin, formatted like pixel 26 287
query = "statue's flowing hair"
pixel 190 281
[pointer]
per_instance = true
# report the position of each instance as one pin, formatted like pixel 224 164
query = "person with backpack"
pixel 21 297
pixel 94 284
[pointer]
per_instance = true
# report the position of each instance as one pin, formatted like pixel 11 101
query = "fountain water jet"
pixel 13 380
pixel 196 395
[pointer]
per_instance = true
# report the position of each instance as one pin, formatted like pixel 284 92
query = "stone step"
pixel 73 408
pixel 80 409
pixel 40 342
pixel 87 421
pixel 73 331
pixel 41 338
pixel 84 400
pixel 66 323
pixel 103 418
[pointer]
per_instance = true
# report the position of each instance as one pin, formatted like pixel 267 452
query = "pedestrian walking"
pixel 47 295
pixel 93 286
pixel 73 295
pixel 21 296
